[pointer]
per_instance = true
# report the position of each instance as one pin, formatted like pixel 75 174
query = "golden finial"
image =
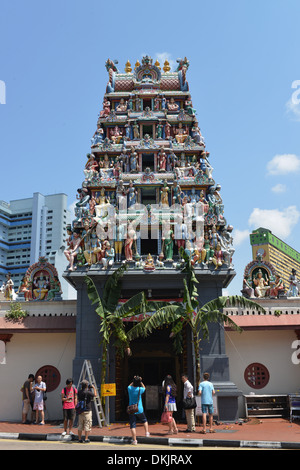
pixel 167 67
pixel 128 68
pixel 137 64
pixel 157 64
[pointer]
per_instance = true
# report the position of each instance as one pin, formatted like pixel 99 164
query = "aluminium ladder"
pixel 87 374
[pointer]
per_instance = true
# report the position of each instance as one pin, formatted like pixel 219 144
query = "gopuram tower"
pixel 148 190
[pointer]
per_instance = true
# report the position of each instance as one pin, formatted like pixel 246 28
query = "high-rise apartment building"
pixel 282 256
pixel 30 228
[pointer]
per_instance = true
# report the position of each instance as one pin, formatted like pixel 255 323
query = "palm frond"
pixel 112 289
pixel 232 301
pixel 93 295
pixel 135 305
pixel 165 315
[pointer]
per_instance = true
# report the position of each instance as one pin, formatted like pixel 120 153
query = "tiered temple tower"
pixel 148 189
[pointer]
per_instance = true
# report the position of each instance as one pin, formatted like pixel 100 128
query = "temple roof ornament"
pixel 128 68
pixel 40 282
pixel 166 67
pixel 148 152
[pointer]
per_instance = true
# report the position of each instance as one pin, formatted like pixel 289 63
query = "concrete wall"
pixel 26 353
pixel 274 350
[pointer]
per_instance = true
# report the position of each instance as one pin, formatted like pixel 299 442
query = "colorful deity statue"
pixel 116 135
pixel 168 243
pixel 132 194
pixel 122 106
pixel 98 136
pixel 165 194
pixel 261 284
pixel 172 105
pixel 162 160
pixel 71 253
pixel 91 167
pixel 9 288
pixel 40 283
pixel 181 133
pixel 189 106
pixel 136 130
pixel 131 237
pixel 119 236
pixel 293 290
pixel 26 288
pixel 55 288
pixel 149 263
pixel 176 193
pixel 159 131
pixel 133 159
pixel 106 108
pixel 278 287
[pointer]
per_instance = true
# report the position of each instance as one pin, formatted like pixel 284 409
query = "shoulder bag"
pixel 132 409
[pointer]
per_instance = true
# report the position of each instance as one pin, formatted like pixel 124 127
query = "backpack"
pixel 81 406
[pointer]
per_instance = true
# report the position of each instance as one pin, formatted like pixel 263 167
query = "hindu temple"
pixel 148 191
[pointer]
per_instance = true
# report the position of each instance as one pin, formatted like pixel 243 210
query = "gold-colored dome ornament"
pixel 157 64
pixel 128 68
pixel 167 67
pixel 137 64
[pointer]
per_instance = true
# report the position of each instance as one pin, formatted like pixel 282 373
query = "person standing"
pixel 206 391
pixel 86 393
pixel 27 397
pixel 38 405
pixel 188 391
pixel 135 391
pixel 69 401
pixel 170 390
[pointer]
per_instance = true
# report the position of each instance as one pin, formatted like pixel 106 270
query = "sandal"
pixel 202 432
pixel 212 430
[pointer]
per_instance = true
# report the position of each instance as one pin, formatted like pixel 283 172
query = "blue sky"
pixel 244 61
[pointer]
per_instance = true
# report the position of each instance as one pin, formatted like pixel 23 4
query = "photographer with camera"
pixel 135 391
pixel 86 393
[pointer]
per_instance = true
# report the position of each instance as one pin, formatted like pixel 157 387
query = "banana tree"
pixel 190 314
pixel 111 314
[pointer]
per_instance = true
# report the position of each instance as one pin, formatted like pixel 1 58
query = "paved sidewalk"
pixel 271 433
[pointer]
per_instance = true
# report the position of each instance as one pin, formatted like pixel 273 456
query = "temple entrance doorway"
pixel 152 359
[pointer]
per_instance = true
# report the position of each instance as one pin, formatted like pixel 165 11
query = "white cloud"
pixel 283 164
pixel 162 57
pixel 71 208
pixel 279 188
pixel 293 104
pixel 279 222
pixel 239 236
pixel 293 109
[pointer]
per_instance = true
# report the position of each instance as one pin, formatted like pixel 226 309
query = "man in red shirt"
pixel 69 400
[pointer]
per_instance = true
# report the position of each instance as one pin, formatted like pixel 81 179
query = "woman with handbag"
pixel 135 409
pixel 170 390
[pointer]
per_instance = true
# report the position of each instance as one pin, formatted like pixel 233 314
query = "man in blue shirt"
pixel 206 391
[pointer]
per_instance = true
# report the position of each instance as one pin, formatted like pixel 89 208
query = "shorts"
pixel 207 409
pixel 26 405
pixel 69 413
pixel 137 416
pixel 85 421
pixel 38 406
